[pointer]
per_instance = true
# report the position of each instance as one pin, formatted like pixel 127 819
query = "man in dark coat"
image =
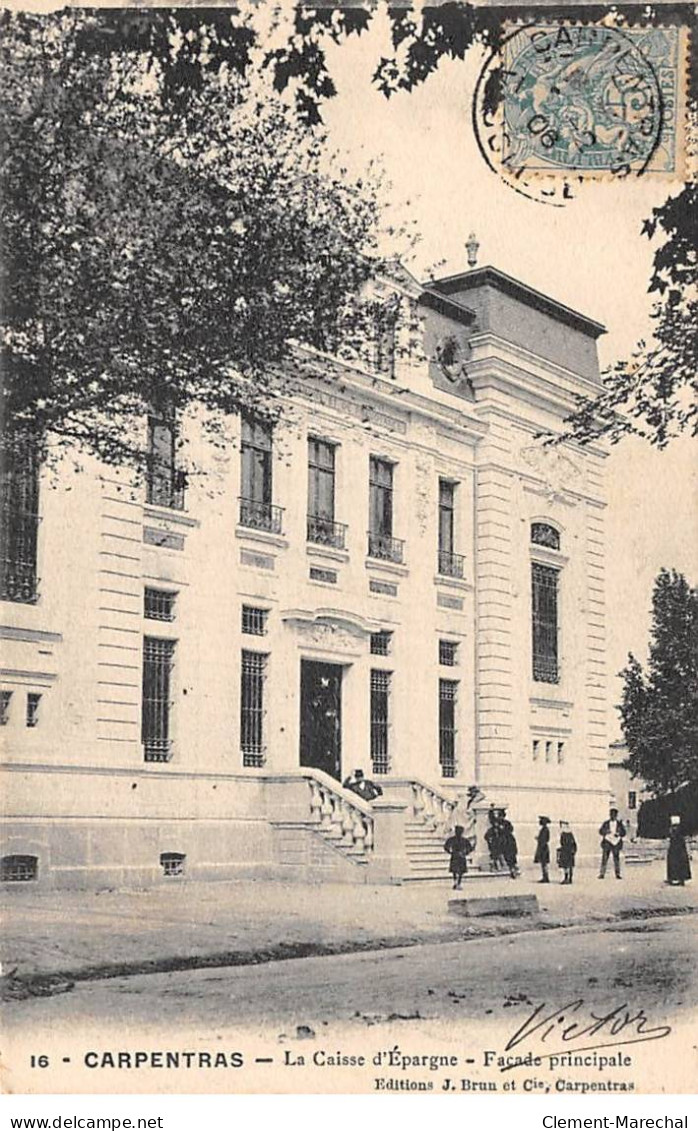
pixel 363 787
pixel 507 843
pixel 611 832
pixel 678 866
pixel 542 855
pixel 457 847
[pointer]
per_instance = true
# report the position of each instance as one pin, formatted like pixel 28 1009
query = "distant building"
pixel 399 578
pixel 626 791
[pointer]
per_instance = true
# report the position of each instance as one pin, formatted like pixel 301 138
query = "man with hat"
pixel 363 787
pixel 542 855
pixel 611 832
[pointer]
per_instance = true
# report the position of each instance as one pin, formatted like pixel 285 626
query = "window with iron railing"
pixel 256 508
pixel 159 604
pixel 448 699
pixel 173 863
pixel 19 520
pixel 380 497
pixel 322 527
pixel 252 708
pixel 381 642
pixel 448 653
pixel 544 616
pixel 156 721
pixel 380 721
pixel 18 868
pixel 254 620
pixel 450 564
pixel 165 482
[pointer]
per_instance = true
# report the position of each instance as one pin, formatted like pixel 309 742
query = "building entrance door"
pixel 321 717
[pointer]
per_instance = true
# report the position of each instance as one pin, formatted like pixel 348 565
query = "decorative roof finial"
pixel 472 247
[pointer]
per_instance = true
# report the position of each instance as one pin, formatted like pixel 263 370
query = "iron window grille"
pixel 5 700
pixel 544 600
pixel 542 534
pixel 254 620
pixel 158 662
pixel 381 642
pixel 261 516
pixel 252 711
pixel 380 722
pixel 448 653
pixel 19 520
pixel 33 703
pixel 173 863
pixel 159 604
pixel 448 698
pixel 165 482
pixel 19 869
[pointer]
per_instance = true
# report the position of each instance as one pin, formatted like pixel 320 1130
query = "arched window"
pixel 172 863
pixel 543 534
pixel 16 869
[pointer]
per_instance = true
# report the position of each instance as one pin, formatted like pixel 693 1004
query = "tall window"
pixel 448 700
pixel 19 521
pixel 256 508
pixel 380 722
pixel 450 563
pixel 322 527
pixel 253 675
pixel 544 583
pixel 165 482
pixel 381 543
pixel 158 661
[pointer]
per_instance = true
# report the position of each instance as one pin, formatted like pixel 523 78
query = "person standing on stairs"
pixel 457 846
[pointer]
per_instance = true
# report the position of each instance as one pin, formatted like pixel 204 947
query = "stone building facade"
pixel 399 577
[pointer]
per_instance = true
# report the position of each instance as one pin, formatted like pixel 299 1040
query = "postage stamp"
pixel 591 100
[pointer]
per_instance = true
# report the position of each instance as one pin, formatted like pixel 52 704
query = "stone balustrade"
pixel 430 807
pixel 340 819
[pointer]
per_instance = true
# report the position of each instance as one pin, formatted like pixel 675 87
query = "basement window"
pixel 18 869
pixel 172 863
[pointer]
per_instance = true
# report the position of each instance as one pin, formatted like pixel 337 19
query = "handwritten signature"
pixel 627 1026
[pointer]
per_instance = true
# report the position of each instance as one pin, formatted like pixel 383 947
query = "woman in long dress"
pixel 678 866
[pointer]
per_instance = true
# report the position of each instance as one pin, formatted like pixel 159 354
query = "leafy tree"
pixel 159 251
pixel 659 708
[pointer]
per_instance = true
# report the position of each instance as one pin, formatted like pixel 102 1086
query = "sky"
pixel 589 254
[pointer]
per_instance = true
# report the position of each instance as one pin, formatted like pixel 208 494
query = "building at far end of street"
pixel 399 577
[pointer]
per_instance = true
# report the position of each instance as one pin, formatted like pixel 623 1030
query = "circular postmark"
pixel 559 103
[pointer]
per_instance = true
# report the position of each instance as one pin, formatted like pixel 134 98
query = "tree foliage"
pixel 654 394
pixel 163 237
pixel 659 708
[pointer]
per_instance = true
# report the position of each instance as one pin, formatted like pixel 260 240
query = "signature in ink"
pixel 571 1024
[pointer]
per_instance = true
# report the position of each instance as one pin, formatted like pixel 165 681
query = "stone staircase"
pixel 427 859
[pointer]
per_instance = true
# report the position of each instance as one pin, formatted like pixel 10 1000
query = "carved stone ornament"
pixel 331 631
pixel 559 472
pixel 453 354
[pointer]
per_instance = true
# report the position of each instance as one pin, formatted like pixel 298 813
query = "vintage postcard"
pixel 348 606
